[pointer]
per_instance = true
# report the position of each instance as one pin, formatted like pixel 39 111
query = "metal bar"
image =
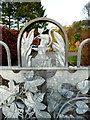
pixel 8 52
pixel 45 68
pixel 80 49
pixel 42 19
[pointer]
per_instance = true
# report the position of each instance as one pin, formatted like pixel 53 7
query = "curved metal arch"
pixel 80 49
pixel 33 22
pixel 8 52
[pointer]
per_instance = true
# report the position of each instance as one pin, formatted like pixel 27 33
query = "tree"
pixel 86 10
pixel 77 24
pixel 19 13
pixel 77 36
pixel 7 13
pixel 26 11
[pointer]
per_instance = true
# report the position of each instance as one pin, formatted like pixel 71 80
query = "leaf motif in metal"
pixel 81 107
pixel 65 76
pixel 84 86
pixel 46 41
pixel 59 47
pixel 20 77
pixel 26 48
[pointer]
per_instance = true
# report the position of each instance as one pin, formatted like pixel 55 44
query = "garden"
pixel 77 32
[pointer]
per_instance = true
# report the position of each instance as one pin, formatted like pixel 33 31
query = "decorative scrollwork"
pixel 24 99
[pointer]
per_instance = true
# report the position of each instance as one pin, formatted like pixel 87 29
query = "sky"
pixel 64 11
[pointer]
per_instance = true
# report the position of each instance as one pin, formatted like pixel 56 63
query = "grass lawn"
pixel 72 49
pixel 72 59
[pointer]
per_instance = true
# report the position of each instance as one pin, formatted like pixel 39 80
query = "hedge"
pixel 9 36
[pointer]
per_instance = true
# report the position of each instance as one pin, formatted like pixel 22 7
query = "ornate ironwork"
pixel 44 88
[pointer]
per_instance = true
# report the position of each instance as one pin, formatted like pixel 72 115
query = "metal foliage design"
pixel 68 100
pixel 42 60
pixel 26 47
pixel 23 99
pixel 65 93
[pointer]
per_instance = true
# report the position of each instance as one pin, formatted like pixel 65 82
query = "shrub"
pixel 9 36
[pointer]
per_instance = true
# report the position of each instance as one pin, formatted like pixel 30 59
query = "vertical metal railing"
pixel 7 51
pixel 80 50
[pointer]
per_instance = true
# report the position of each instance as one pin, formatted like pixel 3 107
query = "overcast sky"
pixel 64 11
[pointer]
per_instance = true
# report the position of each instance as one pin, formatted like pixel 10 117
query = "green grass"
pixel 72 49
pixel 72 59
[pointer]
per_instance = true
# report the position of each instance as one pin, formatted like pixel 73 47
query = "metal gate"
pixel 44 86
